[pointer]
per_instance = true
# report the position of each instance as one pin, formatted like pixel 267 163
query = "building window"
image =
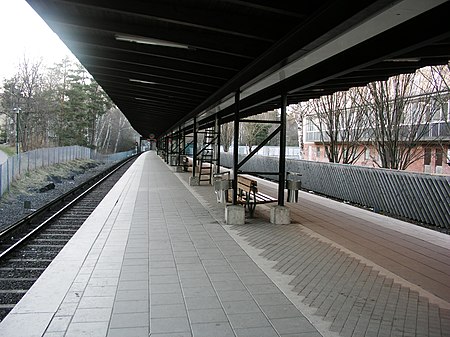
pixel 439 157
pixel 367 154
pixel 427 156
pixel 318 152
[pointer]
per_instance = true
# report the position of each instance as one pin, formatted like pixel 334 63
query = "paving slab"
pixel 156 262
pixel 157 259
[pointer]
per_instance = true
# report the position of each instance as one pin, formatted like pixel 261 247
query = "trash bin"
pixel 173 160
pixel 293 185
pixel 183 159
pixel 222 184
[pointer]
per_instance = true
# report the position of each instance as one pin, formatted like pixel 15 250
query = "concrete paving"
pixel 155 259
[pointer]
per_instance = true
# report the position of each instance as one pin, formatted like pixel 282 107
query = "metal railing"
pixel 416 196
pixel 17 165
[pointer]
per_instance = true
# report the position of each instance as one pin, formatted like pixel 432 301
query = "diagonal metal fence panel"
pixel 417 196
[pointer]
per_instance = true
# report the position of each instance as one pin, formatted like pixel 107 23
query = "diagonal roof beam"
pixel 192 17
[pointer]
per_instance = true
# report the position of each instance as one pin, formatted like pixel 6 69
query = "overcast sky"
pixel 24 33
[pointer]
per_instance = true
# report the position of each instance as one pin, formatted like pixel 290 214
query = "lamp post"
pixel 17 111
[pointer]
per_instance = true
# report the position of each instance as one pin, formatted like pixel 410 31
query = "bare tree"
pixel 226 136
pixel 31 118
pixel 121 127
pixel 61 106
pixel 341 124
pixel 399 111
pixel 300 111
pixel 439 79
pixel 114 133
pixel 10 100
pixel 253 133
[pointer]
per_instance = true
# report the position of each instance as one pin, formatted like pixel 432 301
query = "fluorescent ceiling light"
pixel 140 81
pixel 148 40
pixel 141 99
pixel 404 59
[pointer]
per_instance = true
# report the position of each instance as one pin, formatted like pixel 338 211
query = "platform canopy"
pixel 163 62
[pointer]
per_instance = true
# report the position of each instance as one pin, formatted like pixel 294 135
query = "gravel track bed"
pixel 27 263
pixel 20 273
pixel 17 284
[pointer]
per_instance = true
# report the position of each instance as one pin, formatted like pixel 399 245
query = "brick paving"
pixel 353 297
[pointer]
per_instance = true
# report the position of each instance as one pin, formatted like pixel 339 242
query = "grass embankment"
pixel 33 180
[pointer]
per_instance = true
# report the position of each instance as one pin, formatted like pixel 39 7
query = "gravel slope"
pixel 64 176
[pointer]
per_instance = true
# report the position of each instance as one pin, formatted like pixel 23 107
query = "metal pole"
pixel 184 141
pixel 17 111
pixel 179 146
pixel 172 141
pixel 282 159
pixel 236 146
pixel 218 144
pixel 166 145
pixel 194 154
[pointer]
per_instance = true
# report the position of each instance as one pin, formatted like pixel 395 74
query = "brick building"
pixel 433 153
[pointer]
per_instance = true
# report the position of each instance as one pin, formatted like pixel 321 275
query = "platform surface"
pixel 156 259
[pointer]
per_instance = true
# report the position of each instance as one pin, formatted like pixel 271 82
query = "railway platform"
pixel 156 259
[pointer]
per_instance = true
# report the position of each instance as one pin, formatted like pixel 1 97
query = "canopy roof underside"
pixel 163 62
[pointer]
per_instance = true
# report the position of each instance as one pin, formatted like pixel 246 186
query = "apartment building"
pixel 432 151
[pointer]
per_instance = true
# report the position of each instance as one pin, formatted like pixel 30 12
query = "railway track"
pixel 30 245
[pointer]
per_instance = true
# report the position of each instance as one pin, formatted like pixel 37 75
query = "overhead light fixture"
pixel 411 59
pixel 149 40
pixel 141 81
pixel 141 99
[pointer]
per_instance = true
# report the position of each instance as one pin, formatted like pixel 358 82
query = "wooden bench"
pixel 186 162
pixel 249 196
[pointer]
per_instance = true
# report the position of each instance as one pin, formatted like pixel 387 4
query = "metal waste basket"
pixel 293 185
pixel 173 160
pixel 222 184
pixel 183 160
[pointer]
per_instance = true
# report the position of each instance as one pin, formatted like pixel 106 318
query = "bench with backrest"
pixel 249 196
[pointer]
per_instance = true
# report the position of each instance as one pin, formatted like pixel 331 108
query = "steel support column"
pixel 166 152
pixel 194 154
pixel 179 146
pixel 172 147
pixel 236 146
pixel 282 158
pixel 217 147
pixel 183 141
